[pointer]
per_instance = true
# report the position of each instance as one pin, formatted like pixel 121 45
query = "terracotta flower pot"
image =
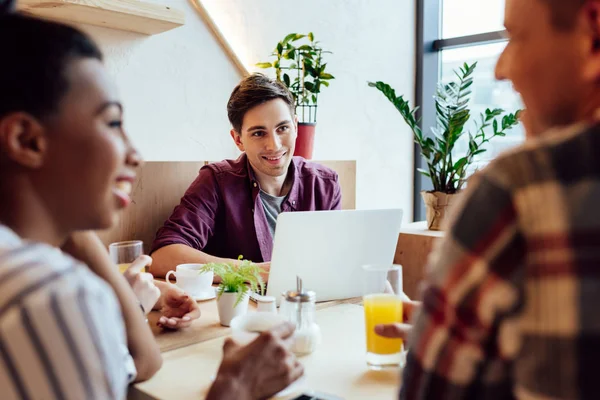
pixel 227 308
pixel 305 140
pixel 437 205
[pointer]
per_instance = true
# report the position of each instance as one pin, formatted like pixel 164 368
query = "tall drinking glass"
pixel 382 300
pixel 124 253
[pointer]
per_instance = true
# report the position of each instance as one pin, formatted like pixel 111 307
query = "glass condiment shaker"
pixel 299 309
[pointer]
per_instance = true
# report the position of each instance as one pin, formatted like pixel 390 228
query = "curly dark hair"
pixel 35 56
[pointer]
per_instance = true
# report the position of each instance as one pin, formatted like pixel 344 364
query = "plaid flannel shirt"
pixel 512 306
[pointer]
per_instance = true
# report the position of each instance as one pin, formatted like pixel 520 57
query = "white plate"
pixel 208 295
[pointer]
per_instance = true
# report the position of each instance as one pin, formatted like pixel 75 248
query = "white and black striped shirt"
pixel 61 330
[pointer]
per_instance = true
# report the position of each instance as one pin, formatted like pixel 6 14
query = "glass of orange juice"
pixel 124 253
pixel 382 301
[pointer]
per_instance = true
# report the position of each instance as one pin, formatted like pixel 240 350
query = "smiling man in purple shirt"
pixel 232 207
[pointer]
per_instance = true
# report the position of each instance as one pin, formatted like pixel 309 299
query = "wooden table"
pixel 207 327
pixel 337 367
pixel 192 355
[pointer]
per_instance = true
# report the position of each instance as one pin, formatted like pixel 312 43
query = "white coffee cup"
pixel 190 280
pixel 266 304
pixel 246 328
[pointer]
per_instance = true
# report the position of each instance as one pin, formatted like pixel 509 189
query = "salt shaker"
pixel 299 309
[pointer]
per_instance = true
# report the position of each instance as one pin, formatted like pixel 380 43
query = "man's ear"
pixel 237 139
pixel 23 139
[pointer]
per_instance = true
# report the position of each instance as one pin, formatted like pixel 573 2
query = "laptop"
pixel 327 250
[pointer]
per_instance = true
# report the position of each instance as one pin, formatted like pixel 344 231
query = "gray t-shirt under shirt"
pixel 272 206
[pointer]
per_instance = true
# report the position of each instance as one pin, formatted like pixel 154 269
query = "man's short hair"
pixel 564 12
pixel 252 91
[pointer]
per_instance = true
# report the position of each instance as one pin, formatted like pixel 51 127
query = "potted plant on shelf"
pixel 300 66
pixel 446 169
pixel 233 292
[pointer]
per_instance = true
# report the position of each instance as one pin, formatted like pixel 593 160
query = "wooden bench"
pixel 160 186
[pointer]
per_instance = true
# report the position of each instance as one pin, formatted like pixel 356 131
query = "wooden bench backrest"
pixel 160 186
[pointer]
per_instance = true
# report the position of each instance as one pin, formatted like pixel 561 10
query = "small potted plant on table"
pixel 234 289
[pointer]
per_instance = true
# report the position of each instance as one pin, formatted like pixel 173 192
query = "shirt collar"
pixel 8 236
pixel 293 168
pixel 292 196
pixel 10 239
pixel 251 174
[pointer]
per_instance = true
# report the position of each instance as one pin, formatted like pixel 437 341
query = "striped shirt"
pixel 61 330
pixel 512 306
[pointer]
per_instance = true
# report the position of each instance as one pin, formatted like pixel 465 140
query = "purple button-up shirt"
pixel 222 214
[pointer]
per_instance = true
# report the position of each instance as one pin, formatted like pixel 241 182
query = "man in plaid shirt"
pixel 512 303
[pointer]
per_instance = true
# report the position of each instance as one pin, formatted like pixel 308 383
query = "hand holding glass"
pixel 124 253
pixel 382 302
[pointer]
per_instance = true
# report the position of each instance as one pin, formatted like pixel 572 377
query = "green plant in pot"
pixel 447 169
pixel 233 292
pixel 299 64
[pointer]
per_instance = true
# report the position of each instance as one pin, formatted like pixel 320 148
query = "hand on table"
pixel 400 331
pixel 259 370
pixel 142 283
pixel 177 308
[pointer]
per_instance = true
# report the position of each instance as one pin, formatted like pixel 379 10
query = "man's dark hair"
pixel 35 56
pixel 564 12
pixel 252 91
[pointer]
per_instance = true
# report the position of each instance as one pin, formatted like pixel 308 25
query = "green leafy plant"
pixel 300 66
pixel 447 171
pixel 237 279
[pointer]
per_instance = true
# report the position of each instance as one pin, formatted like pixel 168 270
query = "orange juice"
pixel 123 267
pixel 382 309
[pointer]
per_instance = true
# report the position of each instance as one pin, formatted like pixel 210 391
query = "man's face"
pixel 268 136
pixel 554 69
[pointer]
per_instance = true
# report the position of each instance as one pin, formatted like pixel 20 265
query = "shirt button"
pixel 253 210
pixel 255 185
pixel 294 202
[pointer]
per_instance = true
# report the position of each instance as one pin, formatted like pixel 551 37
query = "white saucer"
pixel 208 295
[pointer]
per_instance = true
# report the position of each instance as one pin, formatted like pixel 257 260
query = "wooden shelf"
pixel 127 15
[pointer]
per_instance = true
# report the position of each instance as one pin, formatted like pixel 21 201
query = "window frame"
pixel 429 46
